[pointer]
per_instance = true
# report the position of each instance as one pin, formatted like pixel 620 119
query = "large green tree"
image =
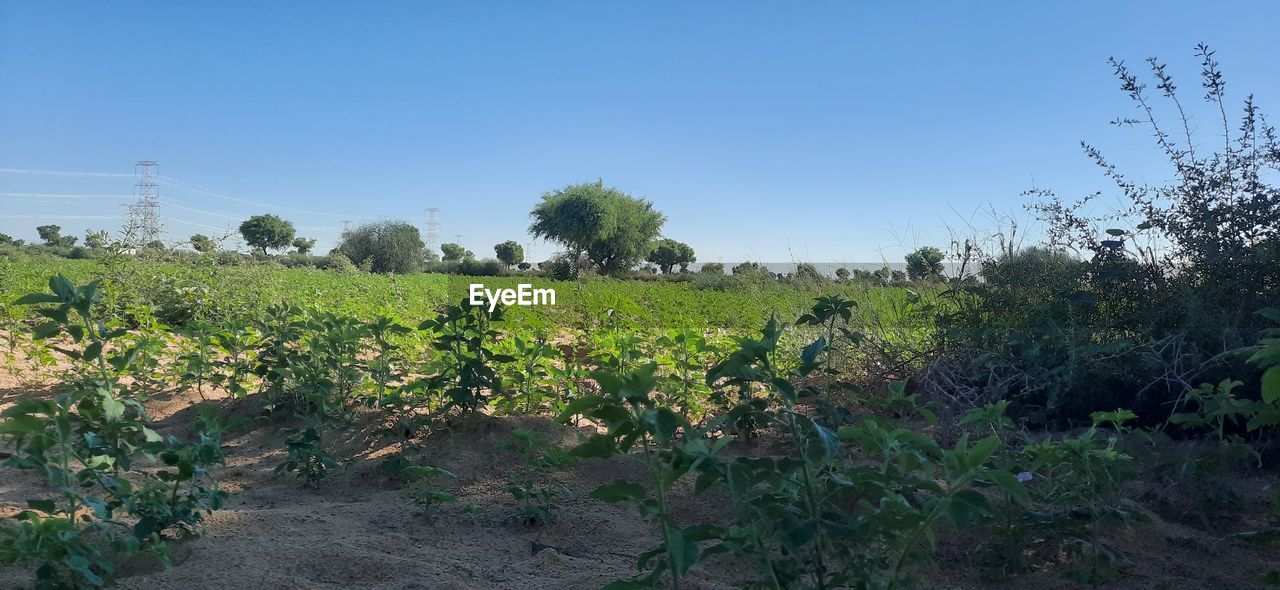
pixel 613 229
pixel 267 231
pixel 509 252
pixel 668 253
pixel 385 246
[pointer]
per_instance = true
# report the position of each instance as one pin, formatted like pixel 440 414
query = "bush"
pixel 385 247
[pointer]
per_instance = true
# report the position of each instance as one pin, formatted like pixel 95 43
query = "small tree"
pixel 203 244
pixel 524 266
pixel 304 245
pixel 668 253
pixel 267 231
pixel 510 253
pixel 384 247
pixel 52 236
pixel 96 239
pixel 925 264
pixel 842 274
pixel 7 240
pixel 455 252
pixel 712 268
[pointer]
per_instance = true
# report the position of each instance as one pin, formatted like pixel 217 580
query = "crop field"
pixel 166 424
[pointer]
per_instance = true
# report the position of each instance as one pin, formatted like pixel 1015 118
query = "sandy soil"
pixel 360 530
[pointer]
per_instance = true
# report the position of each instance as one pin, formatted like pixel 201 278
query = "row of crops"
pixel 856 487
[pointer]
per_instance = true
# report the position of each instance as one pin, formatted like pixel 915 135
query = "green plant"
pixel 465 335
pixel 529 485
pixel 424 492
pixel 306 456
pixel 629 411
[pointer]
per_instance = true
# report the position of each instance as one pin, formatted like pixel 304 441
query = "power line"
pixel 184 185
pixel 62 217
pixel 60 172
pixel 60 196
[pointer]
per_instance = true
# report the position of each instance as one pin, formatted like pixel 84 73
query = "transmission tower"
pixel 346 225
pixel 144 214
pixel 433 229
pixel 458 239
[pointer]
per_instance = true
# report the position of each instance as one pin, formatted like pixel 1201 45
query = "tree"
pixel 203 244
pixel 925 264
pixel 612 228
pixel 384 247
pixel 509 252
pixel 455 252
pixel 267 231
pixel 96 239
pixel 52 236
pixel 842 274
pixel 712 268
pixel 807 272
pixel 668 253
pixel 524 266
pixel 751 270
pixel 7 240
pixel 304 245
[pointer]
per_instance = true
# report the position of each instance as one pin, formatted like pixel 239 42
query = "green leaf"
pixel 34 298
pixel 1271 385
pixel 598 446
pixel 63 288
pixel 1115 232
pixel 1009 483
pixel 620 491
pixel 21 424
pixel 46 330
pixel 982 450
pixel 663 423
pixel 579 406
pixel 112 408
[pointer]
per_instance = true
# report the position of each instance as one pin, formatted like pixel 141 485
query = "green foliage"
pixel 267 232
pixel 203 244
pixel 530 485
pixel 304 245
pixel 86 441
pixel 613 229
pixel 668 253
pixel 455 252
pixel 423 491
pixel 385 247
pixel 465 336
pixel 509 252
pixel 925 264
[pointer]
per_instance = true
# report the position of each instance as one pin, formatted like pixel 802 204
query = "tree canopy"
pixel 203 244
pixel 52 236
pixel 924 264
pixel 304 245
pixel 668 253
pixel 454 252
pixel 612 228
pixel 385 247
pixel 267 232
pixel 509 252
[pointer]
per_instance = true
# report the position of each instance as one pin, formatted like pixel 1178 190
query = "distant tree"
pixel 668 253
pixel 613 229
pixel 52 236
pixel 807 272
pixel 510 253
pixel 96 239
pixel 524 266
pixel 925 264
pixel 751 270
pixel 267 231
pixel 455 252
pixel 384 247
pixel 842 274
pixel 203 244
pixel 7 240
pixel 304 245
pixel 712 268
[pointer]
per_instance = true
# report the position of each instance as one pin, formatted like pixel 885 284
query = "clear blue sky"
pixel 775 131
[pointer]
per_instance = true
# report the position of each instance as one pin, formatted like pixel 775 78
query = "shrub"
pixel 385 247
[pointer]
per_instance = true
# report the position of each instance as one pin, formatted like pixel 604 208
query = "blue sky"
pixel 775 131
